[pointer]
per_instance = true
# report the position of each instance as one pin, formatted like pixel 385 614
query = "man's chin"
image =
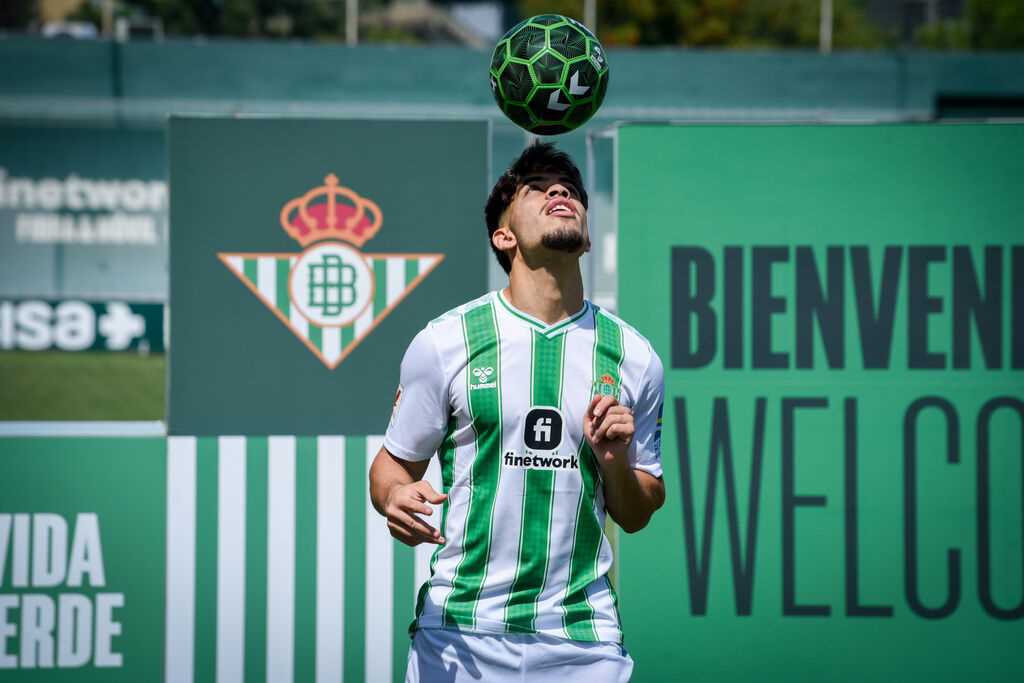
pixel 566 239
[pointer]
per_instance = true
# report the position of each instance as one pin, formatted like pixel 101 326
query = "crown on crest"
pixel 331 211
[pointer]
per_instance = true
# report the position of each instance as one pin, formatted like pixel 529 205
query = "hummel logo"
pixel 481 377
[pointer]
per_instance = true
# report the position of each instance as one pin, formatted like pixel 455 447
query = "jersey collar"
pixel 539 325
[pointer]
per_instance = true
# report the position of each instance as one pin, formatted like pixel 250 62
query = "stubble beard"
pixel 563 239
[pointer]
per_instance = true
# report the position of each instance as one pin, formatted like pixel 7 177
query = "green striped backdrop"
pixel 278 568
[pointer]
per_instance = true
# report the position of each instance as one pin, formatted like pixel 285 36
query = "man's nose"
pixel 558 189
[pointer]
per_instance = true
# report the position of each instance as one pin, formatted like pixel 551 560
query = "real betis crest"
pixel 331 295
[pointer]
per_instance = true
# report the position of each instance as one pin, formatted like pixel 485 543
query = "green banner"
pixel 840 311
pixel 181 559
pixel 305 255
pixel 73 325
pixel 82 528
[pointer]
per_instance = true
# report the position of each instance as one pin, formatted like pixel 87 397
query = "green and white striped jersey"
pixel 500 397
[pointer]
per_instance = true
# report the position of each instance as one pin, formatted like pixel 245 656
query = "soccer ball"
pixel 549 74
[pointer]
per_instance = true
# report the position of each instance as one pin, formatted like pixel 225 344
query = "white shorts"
pixel 445 655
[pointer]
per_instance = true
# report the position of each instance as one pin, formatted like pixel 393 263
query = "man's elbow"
pixel 638 520
pixel 634 525
pixel 641 518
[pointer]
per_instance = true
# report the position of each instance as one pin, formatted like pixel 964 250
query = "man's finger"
pixel 623 431
pixel 603 404
pixel 410 504
pixel 611 420
pixel 606 422
pixel 428 492
pixel 412 536
pixel 402 534
pixel 413 523
pixel 617 409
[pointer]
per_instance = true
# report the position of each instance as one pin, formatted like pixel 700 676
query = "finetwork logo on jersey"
pixel 542 441
pixel 331 295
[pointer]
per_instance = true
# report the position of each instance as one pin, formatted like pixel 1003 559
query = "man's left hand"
pixel 609 429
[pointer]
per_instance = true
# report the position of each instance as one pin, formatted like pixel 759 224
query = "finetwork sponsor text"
pixel 540 462
pixel 76 210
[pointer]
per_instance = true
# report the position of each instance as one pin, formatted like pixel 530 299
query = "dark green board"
pixel 235 367
pixel 867 426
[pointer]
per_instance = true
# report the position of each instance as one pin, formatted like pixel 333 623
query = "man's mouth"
pixel 560 207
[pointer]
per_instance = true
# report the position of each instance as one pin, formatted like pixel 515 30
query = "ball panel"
pixel 548 103
pixel 511 31
pixel 568 41
pixel 596 54
pixel 547 19
pixel 516 81
pixel 499 56
pixel 581 28
pixel 602 88
pixel 581 79
pixel 527 42
pixel 580 114
pixel 496 91
pixel 548 68
pixel 520 115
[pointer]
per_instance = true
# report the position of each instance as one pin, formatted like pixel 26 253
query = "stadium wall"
pixel 108 96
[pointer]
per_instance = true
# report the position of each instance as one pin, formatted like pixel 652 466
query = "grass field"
pixel 81 386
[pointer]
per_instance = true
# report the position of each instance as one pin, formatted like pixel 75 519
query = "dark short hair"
pixel 540 157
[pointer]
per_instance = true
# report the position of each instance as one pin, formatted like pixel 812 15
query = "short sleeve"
pixel 420 416
pixel 646 453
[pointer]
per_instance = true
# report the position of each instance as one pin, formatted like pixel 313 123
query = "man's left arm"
pixel 627 444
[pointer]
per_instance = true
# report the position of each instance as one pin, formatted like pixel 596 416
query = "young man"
pixel 545 413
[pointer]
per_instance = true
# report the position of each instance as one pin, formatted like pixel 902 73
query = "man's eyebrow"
pixel 564 179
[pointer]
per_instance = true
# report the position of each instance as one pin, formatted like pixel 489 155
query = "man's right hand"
pixel 404 503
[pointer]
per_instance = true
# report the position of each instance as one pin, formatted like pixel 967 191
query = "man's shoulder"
pixel 459 311
pixel 638 352
pixel 630 334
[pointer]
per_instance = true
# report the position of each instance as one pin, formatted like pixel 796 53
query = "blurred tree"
pixel 720 23
pixel 951 34
pixel 17 14
pixel 183 17
pixel 795 23
pixel 996 24
pixel 241 18
pixel 89 12
pixel 323 19
pixel 985 25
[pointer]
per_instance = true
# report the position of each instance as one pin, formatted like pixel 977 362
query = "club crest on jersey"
pixel 542 449
pixel 481 378
pixel 606 386
pixel 331 295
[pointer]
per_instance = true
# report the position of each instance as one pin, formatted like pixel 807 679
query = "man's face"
pixel 547 214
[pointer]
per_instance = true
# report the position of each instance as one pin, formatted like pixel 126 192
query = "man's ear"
pixel 503 238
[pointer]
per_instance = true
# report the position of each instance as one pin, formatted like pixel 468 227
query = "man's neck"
pixel 550 293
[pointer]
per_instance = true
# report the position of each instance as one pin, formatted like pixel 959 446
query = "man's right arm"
pixel 418 425
pixel 399 492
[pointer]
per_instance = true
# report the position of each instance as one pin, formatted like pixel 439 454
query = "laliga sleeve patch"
pixel 394 408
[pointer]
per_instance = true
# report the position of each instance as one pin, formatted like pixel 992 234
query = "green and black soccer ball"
pixel 549 74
